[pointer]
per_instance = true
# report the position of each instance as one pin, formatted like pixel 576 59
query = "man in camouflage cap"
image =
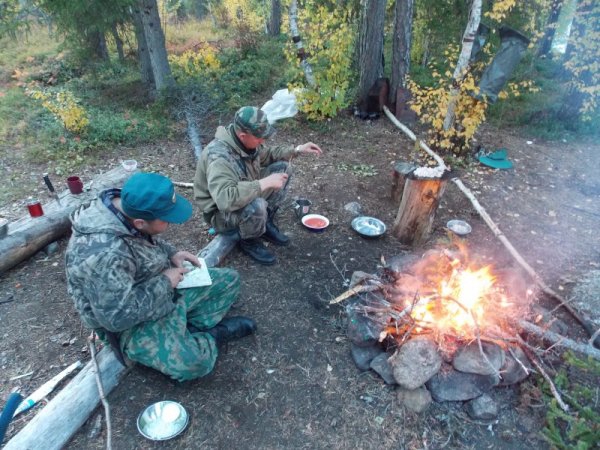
pixel 240 183
pixel 123 280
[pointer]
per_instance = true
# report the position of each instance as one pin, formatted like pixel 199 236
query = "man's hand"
pixel 175 275
pixel 274 181
pixel 178 259
pixel 309 147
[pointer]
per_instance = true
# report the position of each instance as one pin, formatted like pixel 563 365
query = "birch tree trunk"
pixel 401 44
pixel 155 40
pixel 551 24
pixel 301 53
pixel 370 46
pixel 463 60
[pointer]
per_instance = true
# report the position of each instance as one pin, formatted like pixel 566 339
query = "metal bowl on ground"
pixel 459 227
pixel 162 420
pixel 315 222
pixel 369 227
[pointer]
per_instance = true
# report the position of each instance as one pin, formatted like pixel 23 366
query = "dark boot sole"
pixel 273 241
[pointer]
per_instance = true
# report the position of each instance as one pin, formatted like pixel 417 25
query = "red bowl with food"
pixel 315 222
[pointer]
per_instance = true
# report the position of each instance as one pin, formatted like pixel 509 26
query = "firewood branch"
pixel 353 291
pixel 92 345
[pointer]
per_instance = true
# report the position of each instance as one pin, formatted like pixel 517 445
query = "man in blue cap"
pixel 123 279
pixel 240 183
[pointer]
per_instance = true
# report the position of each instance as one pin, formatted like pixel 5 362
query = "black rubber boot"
pixel 272 233
pixel 232 328
pixel 257 251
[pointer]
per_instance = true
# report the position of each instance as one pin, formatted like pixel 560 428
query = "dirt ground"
pixel 294 384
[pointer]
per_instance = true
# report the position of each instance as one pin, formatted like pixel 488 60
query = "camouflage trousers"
pixel 251 220
pixel 168 346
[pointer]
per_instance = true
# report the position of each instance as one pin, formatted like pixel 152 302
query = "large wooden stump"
pixel 401 171
pixel 420 199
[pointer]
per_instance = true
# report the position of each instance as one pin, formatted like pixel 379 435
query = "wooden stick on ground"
pixel 543 373
pixel 488 220
pixel 92 345
pixel 353 291
pixel 183 184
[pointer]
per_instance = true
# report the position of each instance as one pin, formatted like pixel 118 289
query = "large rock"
pixel 416 400
pixel 482 408
pixel 363 356
pixel 383 368
pixel 415 362
pixel 512 371
pixel 362 330
pixel 470 360
pixel 452 385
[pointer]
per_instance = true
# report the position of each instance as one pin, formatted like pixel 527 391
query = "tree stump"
pixel 401 170
pixel 420 199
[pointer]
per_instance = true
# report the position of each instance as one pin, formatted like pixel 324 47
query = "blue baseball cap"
pixel 151 196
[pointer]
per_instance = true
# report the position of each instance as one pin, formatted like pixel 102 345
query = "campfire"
pixel 454 298
pixel 443 327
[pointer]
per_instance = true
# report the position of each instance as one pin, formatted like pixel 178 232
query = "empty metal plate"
pixel 368 226
pixel 459 227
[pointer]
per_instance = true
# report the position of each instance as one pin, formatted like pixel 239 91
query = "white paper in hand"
pixel 197 276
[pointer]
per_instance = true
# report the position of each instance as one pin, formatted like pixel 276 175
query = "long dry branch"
pixel 587 325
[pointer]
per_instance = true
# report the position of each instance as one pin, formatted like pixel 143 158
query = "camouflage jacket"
pixel 113 276
pixel 227 177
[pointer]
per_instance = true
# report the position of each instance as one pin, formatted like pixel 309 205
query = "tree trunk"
pixel 143 55
pixel 97 43
pixel 420 200
pixel 370 46
pixel 118 42
pixel 275 18
pixel 60 419
pixel 27 235
pixel 463 60
pixel 401 171
pixel 546 41
pixel 155 40
pixel 301 53
pixel 401 44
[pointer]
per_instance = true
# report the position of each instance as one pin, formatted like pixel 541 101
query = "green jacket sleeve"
pixel 228 192
pixel 269 155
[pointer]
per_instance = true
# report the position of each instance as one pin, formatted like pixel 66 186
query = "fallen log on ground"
pixel 585 323
pixel 28 235
pixel 58 421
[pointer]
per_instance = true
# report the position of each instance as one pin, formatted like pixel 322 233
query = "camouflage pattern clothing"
pixel 114 276
pixel 226 183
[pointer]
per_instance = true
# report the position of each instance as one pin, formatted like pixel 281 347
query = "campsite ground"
pixel 294 384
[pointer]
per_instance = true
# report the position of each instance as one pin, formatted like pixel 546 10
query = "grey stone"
pixel 470 360
pixel 383 368
pixel 363 330
pixel 415 362
pixel 482 408
pixel 417 400
pixel 452 385
pixel 512 372
pixel 51 248
pixel 353 208
pixel 363 356
pixel 399 263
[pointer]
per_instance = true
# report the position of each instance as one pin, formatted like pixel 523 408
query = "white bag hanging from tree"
pixel 282 105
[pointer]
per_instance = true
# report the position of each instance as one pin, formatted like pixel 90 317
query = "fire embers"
pixel 442 329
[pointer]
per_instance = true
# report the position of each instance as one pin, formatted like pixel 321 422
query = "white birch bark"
pixel 463 60
pixel 306 67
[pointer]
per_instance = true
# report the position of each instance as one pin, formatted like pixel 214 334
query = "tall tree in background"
pixel 401 45
pixel 275 18
pixel 155 42
pixel 546 42
pixel 370 46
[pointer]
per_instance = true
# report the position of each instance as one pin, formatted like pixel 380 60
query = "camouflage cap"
pixel 252 120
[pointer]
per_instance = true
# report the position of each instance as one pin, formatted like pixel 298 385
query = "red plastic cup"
pixel 35 208
pixel 75 185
